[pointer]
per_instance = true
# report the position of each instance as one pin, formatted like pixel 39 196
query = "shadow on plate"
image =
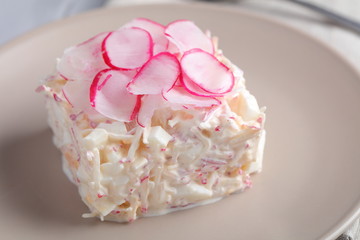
pixel 32 181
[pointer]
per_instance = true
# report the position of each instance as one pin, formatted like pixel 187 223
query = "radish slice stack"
pixel 127 74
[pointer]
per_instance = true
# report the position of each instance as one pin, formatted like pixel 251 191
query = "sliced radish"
pixel 178 82
pixel 109 97
pixel 180 95
pixel 207 72
pixel 158 74
pixel 77 94
pixel 173 49
pixel 186 35
pixel 127 48
pixel 194 89
pixel 149 103
pixel 156 30
pixel 83 61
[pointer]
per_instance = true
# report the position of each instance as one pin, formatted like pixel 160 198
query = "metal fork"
pixel 333 16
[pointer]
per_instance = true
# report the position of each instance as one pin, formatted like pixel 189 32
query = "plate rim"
pixel 352 214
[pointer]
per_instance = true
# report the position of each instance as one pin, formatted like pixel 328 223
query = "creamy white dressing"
pixel 188 157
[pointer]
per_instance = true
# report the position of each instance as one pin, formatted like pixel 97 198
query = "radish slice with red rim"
pixel 194 89
pixel 180 95
pixel 186 35
pixel 77 94
pixel 173 49
pixel 158 74
pixel 109 97
pixel 207 72
pixel 127 48
pixel 156 30
pixel 149 103
pixel 83 61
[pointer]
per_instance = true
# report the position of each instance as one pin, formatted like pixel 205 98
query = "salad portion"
pixel 152 119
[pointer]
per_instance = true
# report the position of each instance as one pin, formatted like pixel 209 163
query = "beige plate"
pixel 310 186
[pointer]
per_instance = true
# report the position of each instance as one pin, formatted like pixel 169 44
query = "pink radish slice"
pixel 205 71
pixel 109 97
pixel 194 89
pixel 127 48
pixel 179 95
pixel 173 49
pixel 83 61
pixel 186 35
pixel 178 82
pixel 77 94
pixel 149 103
pixel 158 74
pixel 130 73
pixel 156 30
